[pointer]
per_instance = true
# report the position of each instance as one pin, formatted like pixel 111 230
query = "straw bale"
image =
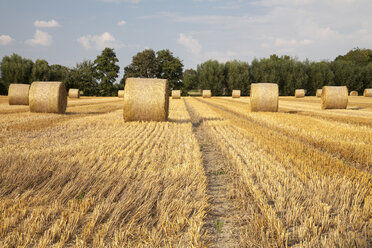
pixel 146 99
pixel 18 94
pixel 207 93
pixel 48 97
pixel 120 93
pixel 319 92
pixel 354 93
pixel 176 94
pixel 74 93
pixel 299 93
pixel 264 97
pixel 236 94
pixel 367 92
pixel 334 97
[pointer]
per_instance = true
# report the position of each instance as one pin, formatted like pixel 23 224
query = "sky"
pixel 70 31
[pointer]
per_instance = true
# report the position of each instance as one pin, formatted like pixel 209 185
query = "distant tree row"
pixel 353 70
pixel 93 78
pixel 98 77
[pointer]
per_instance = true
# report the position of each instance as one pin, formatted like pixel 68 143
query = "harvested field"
pixel 213 175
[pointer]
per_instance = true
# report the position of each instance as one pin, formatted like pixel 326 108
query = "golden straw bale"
pixel 18 94
pixel 176 94
pixel 299 93
pixel 74 93
pixel 354 93
pixel 236 94
pixel 264 97
pixel 207 94
pixel 367 92
pixel 319 92
pixel 48 97
pixel 146 99
pixel 120 93
pixel 334 97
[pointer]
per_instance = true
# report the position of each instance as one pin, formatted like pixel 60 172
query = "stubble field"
pixel 214 175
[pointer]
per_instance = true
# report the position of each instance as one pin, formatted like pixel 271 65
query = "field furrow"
pixel 97 181
pixel 296 188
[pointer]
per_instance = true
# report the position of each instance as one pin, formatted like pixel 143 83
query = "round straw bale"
pixel 74 93
pixel 264 97
pixel 354 93
pixel 334 97
pixel 18 94
pixel 207 93
pixel 176 94
pixel 146 99
pixel 299 93
pixel 367 92
pixel 120 93
pixel 319 92
pixel 48 97
pixel 236 94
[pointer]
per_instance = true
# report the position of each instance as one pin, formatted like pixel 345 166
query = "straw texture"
pixel 236 94
pixel 146 99
pixel 120 93
pixel 334 97
pixel 354 93
pixel 207 94
pixel 319 92
pixel 48 97
pixel 176 94
pixel 367 92
pixel 18 94
pixel 299 93
pixel 74 93
pixel 264 97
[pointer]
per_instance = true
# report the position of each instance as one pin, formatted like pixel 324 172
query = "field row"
pixel 299 177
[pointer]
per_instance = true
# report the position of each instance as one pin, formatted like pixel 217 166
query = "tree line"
pixel 98 77
pixel 353 70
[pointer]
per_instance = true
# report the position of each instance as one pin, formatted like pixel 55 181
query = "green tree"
pixel 347 73
pixel 15 69
pixel 366 77
pixel 211 76
pixel 58 73
pixel 106 71
pixel 40 71
pixel 3 89
pixel 170 68
pixel 144 64
pixel 190 80
pixel 319 74
pixel 237 76
pixel 360 57
pixel 82 77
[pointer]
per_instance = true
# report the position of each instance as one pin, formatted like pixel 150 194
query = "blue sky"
pixel 67 32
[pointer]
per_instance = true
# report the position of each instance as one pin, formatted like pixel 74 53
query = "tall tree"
pixel 144 64
pixel 82 77
pixel 58 73
pixel 106 71
pixel 319 74
pixel 190 80
pixel 15 69
pixel 40 71
pixel 170 68
pixel 211 76
pixel 360 57
pixel 237 76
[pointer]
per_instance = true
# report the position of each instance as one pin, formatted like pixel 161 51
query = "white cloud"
pixel 5 40
pixel 190 43
pixel 121 23
pixel 293 42
pixel 47 24
pixel 40 38
pixel 100 41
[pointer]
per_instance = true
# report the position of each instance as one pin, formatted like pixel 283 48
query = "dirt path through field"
pixel 221 223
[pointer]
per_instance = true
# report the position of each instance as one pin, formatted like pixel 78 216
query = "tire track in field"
pixel 221 224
